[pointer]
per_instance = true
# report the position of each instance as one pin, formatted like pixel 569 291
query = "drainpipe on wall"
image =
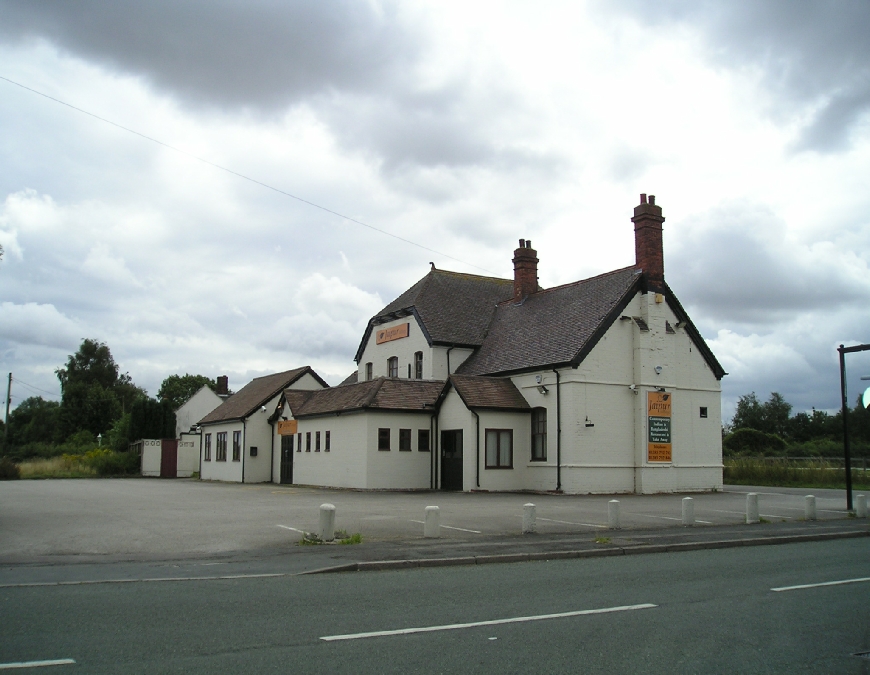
pixel 432 452
pixel 436 451
pixel 244 437
pixel 272 453
pixel 477 447
pixel 449 349
pixel 558 435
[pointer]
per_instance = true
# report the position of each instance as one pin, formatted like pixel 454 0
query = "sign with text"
pixel 287 427
pixel 394 333
pixel 659 426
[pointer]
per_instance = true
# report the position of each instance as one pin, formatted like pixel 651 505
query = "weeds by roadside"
pixel 341 537
pixel 791 473
pixel 97 462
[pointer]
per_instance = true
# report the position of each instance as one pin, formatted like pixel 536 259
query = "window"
pixel 405 440
pixel 237 446
pixel 253 451
pixel 221 447
pixel 539 435
pixel 704 412
pixel 423 440
pixel 393 366
pixel 499 449
pixel 299 442
pixel 418 365
pixel 383 439
pixel 317 441
pixel 326 441
pixel 307 441
pixel 369 370
pixel 206 453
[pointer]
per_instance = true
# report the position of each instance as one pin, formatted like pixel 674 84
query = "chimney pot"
pixel 652 200
pixel 649 256
pixel 525 270
pixel 528 243
pixel 522 243
pixel 642 198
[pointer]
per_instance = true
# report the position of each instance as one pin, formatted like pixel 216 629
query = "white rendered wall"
pixel 188 455
pixel 394 468
pixel 151 454
pixel 454 415
pixel 344 465
pixel 306 383
pixel 258 433
pixel 197 406
pixel 229 470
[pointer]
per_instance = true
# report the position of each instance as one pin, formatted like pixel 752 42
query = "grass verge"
pixel 808 474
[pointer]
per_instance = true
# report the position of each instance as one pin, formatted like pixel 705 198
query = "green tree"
pixel 771 417
pixel 35 420
pixel 177 389
pixel 151 419
pixel 92 363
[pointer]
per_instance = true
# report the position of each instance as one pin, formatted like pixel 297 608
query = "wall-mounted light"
pixel 658 370
pixel 660 389
pixel 542 389
pixel 588 423
pixel 539 378
pixel 680 324
pixel 633 388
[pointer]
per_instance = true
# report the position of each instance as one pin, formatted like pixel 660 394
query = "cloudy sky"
pixel 456 127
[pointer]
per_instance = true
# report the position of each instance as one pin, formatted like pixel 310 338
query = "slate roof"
pixel 353 378
pixel 453 308
pixel 255 394
pixel 378 394
pixel 496 393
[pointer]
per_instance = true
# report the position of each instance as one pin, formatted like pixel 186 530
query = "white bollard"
pixel 432 522
pixel 613 514
pixel 529 519
pixel 752 508
pixel 861 506
pixel 810 507
pixel 688 511
pixel 327 522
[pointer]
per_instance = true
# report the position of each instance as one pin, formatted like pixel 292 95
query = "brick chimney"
pixel 525 270
pixel 648 242
pixel 223 385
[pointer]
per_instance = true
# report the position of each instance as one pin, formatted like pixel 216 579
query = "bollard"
pixel 688 511
pixel 529 522
pixel 861 506
pixel 613 514
pixel 810 507
pixel 432 522
pixel 327 522
pixel 752 508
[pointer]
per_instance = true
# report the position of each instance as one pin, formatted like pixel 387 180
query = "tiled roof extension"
pixel 496 393
pixel 378 394
pixel 255 394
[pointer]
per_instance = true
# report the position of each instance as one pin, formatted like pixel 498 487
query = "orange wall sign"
pixel 394 333
pixel 659 426
pixel 287 427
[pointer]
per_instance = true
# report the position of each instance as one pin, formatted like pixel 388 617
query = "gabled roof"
pixel 494 393
pixel 452 308
pixel 378 394
pixel 694 333
pixel 556 327
pixel 257 393
pixel 353 378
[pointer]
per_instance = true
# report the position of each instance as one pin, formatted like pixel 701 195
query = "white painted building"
pixel 237 436
pixel 195 408
pixel 603 385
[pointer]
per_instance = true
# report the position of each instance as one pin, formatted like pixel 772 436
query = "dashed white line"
pixel 287 527
pixel 449 527
pixel 824 583
pixel 475 624
pixel 36 664
pixel 646 515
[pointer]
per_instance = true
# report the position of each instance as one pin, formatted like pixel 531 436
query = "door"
pixel 169 458
pixel 451 459
pixel 287 459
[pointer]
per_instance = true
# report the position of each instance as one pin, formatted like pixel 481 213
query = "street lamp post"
pixel 843 350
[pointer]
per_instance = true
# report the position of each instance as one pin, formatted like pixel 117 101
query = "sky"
pixel 235 188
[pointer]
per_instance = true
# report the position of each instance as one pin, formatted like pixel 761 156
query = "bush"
pixel 9 470
pixel 109 463
pixel 752 441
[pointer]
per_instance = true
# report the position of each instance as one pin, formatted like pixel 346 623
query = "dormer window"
pixel 418 365
pixel 393 366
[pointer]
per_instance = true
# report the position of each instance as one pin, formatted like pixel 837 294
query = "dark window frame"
pixel 703 412
pixel 307 441
pixel 369 368
pixel 220 446
pixel 539 433
pixel 404 440
pixel 418 365
pixel 384 439
pixel 326 441
pixel 498 449
pixel 206 451
pixel 316 441
pixel 299 442
pixel 423 446
pixel 237 446
pixel 393 366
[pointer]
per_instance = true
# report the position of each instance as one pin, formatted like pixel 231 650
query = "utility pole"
pixel 6 419
pixel 843 350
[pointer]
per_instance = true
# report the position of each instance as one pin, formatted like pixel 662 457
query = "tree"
pixel 35 420
pixel 771 417
pixel 92 363
pixel 151 419
pixel 177 389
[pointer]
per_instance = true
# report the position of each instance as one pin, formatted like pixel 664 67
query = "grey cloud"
pixel 810 53
pixel 736 264
pixel 257 54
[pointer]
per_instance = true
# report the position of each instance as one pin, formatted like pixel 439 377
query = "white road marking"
pixel 646 515
pixel 287 527
pixel 448 527
pixel 475 624
pixel 824 583
pixel 743 513
pixel 36 664
pixel 565 522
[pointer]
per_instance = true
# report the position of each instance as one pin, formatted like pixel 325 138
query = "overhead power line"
pixel 241 175
pixel 34 388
